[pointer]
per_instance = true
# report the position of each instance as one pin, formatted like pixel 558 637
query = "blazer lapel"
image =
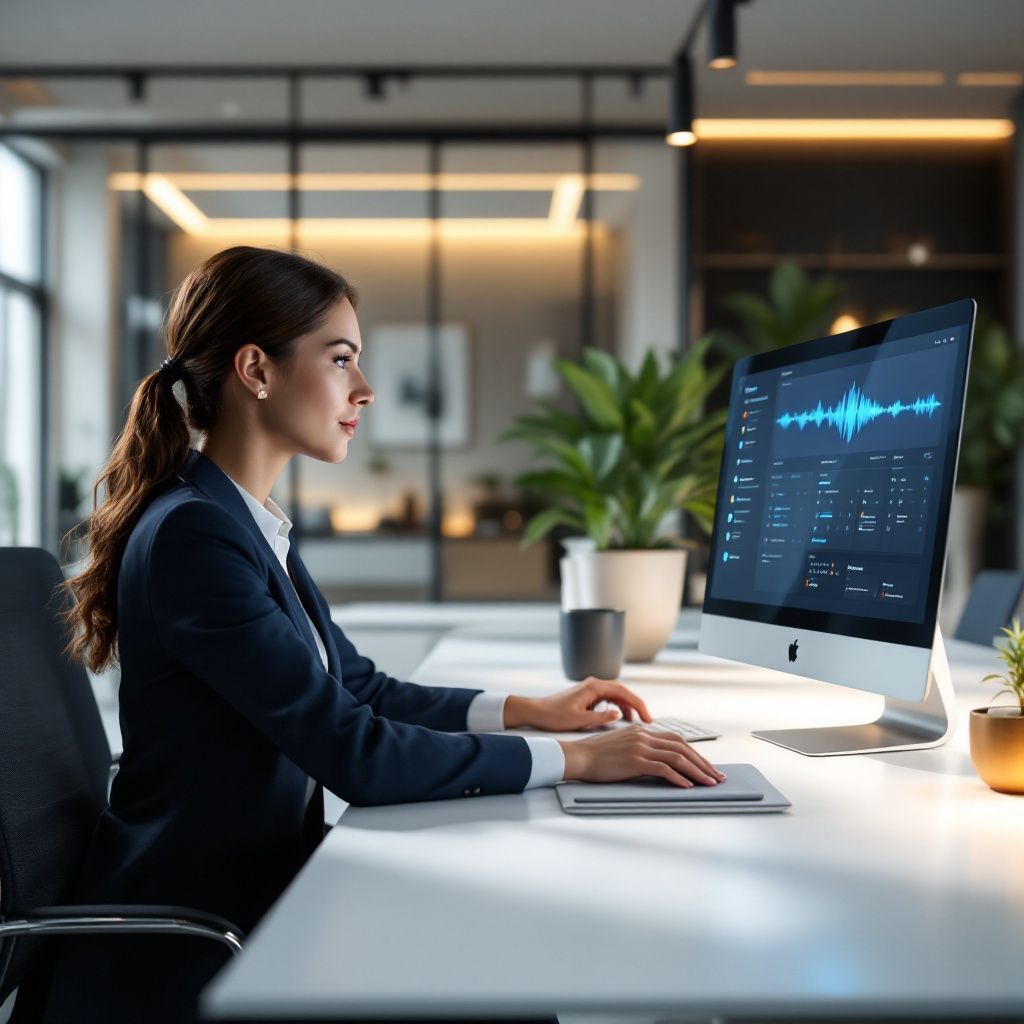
pixel 205 474
pixel 307 593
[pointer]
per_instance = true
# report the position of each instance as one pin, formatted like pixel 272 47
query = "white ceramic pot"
pixel 567 566
pixel 646 584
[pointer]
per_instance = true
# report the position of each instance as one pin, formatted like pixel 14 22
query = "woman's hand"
pixel 632 752
pixel 573 709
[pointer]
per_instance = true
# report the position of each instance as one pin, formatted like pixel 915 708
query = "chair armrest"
pixel 115 918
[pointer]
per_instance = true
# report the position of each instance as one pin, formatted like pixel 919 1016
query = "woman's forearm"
pixel 520 712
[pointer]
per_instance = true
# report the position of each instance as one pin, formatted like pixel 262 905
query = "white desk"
pixel 895 885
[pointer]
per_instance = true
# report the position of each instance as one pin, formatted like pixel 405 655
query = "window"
pixel 21 351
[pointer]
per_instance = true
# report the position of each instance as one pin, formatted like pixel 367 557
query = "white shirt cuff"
pixel 548 761
pixel 486 712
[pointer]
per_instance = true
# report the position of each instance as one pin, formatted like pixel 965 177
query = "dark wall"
pixel 854 212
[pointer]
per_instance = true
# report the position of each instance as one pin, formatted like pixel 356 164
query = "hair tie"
pixel 170 368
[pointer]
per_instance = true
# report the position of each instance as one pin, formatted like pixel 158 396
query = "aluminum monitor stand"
pixel 903 724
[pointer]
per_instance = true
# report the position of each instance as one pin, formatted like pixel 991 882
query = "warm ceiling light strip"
pixel 561 222
pixel 28 92
pixel 165 196
pixel 854 129
pixel 334 182
pixel 841 78
pixel 395 227
pixel 565 199
pixel 1011 79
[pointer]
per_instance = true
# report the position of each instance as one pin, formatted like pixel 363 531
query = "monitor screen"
pixel 840 457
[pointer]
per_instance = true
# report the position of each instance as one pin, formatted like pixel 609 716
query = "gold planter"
pixel 997 749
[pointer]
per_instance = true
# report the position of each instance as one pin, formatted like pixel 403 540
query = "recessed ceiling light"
pixel 846 78
pixel 1004 79
pixel 839 129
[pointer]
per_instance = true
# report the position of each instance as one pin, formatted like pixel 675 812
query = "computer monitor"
pixel 830 528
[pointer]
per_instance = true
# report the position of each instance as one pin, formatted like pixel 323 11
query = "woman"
pixel 239 698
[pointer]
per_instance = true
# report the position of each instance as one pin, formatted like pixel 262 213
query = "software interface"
pixel 833 468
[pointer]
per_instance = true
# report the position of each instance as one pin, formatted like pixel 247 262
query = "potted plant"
pixel 797 308
pixel 997 734
pixel 993 429
pixel 639 448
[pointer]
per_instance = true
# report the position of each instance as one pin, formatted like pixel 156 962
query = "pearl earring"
pixel 261 394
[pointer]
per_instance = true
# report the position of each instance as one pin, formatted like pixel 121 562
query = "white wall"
pixel 647 225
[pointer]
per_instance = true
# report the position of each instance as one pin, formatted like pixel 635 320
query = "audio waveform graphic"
pixel 854 411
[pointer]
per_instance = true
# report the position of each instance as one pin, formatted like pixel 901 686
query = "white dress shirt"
pixel 486 711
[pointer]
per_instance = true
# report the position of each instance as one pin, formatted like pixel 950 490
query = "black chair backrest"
pixel 993 600
pixel 54 756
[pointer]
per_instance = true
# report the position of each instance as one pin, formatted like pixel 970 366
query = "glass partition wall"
pixel 471 262
pixel 482 250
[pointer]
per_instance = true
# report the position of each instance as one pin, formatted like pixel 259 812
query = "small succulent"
pixel 1012 653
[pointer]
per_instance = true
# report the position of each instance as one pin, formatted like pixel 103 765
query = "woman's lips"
pixel 350 428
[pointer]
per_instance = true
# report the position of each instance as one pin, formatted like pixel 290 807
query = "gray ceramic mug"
pixel 593 642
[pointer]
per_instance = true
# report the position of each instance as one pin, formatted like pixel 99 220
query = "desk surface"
pixel 894 885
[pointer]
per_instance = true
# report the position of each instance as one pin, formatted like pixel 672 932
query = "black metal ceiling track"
pixel 326 132
pixel 400 72
pixel 292 76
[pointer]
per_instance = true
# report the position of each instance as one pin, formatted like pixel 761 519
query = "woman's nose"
pixel 366 394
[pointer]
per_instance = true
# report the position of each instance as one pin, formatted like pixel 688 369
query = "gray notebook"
pixel 745 791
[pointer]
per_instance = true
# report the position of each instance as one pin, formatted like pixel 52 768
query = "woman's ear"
pixel 251 368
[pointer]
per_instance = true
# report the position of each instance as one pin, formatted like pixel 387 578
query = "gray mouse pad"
pixel 745 790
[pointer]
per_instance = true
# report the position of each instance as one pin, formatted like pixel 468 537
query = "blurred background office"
pixel 496 180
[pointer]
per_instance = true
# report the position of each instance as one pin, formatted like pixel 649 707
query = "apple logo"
pixel 792 650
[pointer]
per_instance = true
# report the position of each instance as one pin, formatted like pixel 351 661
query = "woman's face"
pixel 321 389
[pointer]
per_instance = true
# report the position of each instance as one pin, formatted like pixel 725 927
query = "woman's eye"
pixel 345 358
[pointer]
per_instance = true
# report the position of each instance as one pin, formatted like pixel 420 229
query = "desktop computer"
pixel 830 529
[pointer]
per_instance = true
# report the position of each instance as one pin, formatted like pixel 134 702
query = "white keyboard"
pixel 687 730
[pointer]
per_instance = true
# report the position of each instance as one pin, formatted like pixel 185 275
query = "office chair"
pixel 54 771
pixel 993 600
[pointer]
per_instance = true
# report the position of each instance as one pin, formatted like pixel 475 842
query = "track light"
pixel 721 34
pixel 680 119
pixel 136 87
pixel 373 87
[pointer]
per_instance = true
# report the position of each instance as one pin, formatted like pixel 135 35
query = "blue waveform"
pixel 855 410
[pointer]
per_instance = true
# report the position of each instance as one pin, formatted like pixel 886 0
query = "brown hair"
pixel 242 295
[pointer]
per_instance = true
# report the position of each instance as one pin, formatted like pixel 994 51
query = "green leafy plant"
pixel 797 308
pixel 1012 653
pixel 639 447
pixel 994 412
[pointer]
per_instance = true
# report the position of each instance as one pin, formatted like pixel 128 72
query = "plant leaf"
pixel 601 452
pixel 543 522
pixel 551 480
pixel 595 395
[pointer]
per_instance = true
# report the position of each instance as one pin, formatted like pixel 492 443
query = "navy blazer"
pixel 225 711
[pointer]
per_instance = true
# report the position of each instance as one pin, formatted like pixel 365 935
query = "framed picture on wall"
pixel 398 371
